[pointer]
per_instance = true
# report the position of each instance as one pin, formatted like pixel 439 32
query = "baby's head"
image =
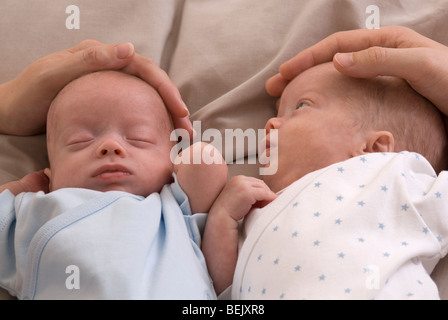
pixel 325 117
pixel 109 131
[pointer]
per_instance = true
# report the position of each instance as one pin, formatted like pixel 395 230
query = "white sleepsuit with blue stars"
pixel 372 227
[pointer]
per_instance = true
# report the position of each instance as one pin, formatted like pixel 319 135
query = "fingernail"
pixel 186 108
pixel 124 50
pixel 181 101
pixel 345 59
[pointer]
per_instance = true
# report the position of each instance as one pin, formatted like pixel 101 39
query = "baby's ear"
pixel 380 141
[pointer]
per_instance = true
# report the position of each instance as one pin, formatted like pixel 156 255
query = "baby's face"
pixel 105 134
pixel 315 127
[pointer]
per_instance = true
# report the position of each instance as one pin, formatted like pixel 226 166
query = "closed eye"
pixel 139 142
pixel 79 144
pixel 79 140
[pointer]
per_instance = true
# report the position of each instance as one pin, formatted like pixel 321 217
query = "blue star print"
pixel 345 209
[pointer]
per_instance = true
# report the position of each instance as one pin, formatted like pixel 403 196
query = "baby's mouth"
pixel 111 172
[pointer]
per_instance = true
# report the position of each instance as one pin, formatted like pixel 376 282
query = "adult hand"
pixel 148 70
pixel 391 51
pixel 33 182
pixel 25 99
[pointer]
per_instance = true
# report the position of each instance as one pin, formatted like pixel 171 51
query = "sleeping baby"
pixel 359 210
pixel 116 213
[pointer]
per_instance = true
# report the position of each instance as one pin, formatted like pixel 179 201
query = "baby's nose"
pixel 106 151
pixel 111 147
pixel 273 123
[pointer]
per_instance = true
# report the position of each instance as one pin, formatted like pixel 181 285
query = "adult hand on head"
pixel 25 99
pixel 148 70
pixel 391 51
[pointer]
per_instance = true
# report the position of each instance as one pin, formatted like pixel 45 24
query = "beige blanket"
pixel 219 53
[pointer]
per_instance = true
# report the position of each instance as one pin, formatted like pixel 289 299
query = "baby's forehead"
pixel 104 79
pixel 325 80
pixel 319 80
pixel 323 75
pixel 107 92
pixel 108 86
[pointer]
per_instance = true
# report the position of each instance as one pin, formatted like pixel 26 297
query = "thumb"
pixel 104 57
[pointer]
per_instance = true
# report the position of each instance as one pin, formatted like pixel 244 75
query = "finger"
pixel 171 95
pixel 149 71
pixel 103 57
pixel 263 190
pixel 263 196
pixel 89 59
pixel 277 104
pixel 184 123
pixel 378 61
pixel 91 48
pixel 84 45
pixel 107 56
pixel 275 85
pixel 351 41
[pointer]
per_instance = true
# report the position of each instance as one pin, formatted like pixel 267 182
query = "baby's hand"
pixel 220 241
pixel 241 194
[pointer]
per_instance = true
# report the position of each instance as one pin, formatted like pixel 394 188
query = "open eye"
pixel 301 105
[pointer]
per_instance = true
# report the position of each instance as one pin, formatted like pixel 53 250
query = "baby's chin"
pixel 271 182
pixel 107 188
pixel 115 188
pixel 136 187
pixel 144 192
pixel 277 182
